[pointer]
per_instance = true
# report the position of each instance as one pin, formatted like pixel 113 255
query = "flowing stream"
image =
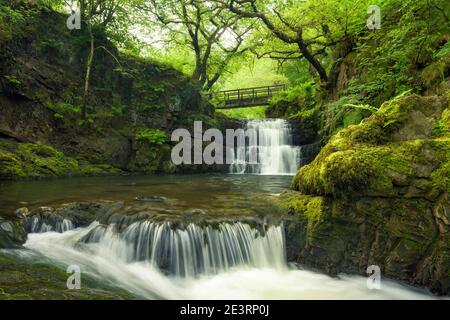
pixel 231 259
pixel 210 236
pixel 262 274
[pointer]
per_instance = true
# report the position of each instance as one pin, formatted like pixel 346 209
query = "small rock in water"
pixel 22 212
pixel 6 226
pixel 195 211
pixel 151 199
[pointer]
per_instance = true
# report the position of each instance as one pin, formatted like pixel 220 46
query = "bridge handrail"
pixel 251 88
pixel 263 91
pixel 248 95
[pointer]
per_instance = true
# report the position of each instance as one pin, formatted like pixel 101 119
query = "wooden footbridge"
pixel 248 97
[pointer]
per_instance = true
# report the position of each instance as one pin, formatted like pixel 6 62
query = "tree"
pixel 96 17
pixel 213 34
pixel 312 30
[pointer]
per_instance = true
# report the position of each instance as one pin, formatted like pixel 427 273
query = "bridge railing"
pixel 247 96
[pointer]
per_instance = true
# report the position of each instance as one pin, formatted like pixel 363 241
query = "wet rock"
pixel 68 216
pixel 151 199
pixel 12 234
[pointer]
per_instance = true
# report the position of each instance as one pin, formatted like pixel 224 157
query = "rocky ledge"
pixel 378 194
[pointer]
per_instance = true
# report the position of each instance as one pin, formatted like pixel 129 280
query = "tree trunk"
pixel 88 73
pixel 342 50
pixel 313 62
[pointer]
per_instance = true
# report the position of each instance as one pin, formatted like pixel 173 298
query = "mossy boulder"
pixel 378 193
pixel 149 157
pixel 384 154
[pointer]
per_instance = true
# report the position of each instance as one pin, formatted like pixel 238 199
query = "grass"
pixel 245 113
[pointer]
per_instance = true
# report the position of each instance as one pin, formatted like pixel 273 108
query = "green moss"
pixel 39 150
pixel 441 127
pixel 22 280
pixel 441 178
pixel 27 160
pixel 311 208
pixel 365 159
pixel 10 166
pixel 245 113
pixel 149 158
pixel 152 136
pixel 433 73
pixel 292 101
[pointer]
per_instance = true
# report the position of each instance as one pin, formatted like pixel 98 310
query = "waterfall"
pixel 193 250
pixel 275 152
pixel 254 257
pixel 47 223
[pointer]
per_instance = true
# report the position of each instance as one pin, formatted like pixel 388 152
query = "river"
pixel 212 236
pixel 248 264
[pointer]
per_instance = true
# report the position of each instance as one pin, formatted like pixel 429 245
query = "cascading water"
pixel 249 264
pixel 228 249
pixel 45 224
pixel 194 250
pixel 276 155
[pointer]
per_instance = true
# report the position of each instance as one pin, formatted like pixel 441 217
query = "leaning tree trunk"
pixel 343 49
pixel 88 73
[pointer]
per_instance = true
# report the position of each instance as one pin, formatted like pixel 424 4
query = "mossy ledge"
pixel 378 194
pixel 24 280
pixel 30 160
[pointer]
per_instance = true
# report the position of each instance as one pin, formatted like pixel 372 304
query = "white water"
pixel 37 225
pixel 195 250
pixel 276 154
pixel 263 275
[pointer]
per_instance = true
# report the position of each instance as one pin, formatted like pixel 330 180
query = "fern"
pixel 362 107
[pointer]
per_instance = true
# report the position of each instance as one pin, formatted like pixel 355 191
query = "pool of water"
pixel 212 193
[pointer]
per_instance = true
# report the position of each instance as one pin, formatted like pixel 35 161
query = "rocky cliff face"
pixel 378 194
pixel 41 82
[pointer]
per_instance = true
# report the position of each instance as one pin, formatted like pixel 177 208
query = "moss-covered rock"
pixel 23 280
pixel 28 160
pixel 382 155
pixel 149 157
pixel 378 193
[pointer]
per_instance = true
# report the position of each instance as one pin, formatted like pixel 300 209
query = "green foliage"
pixel 245 113
pixel 64 107
pixel 290 102
pixel 302 93
pixel 152 136
pixel 12 80
pixel 362 107
pixel 10 19
pixel 247 73
pixel 208 120
pixel 442 52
